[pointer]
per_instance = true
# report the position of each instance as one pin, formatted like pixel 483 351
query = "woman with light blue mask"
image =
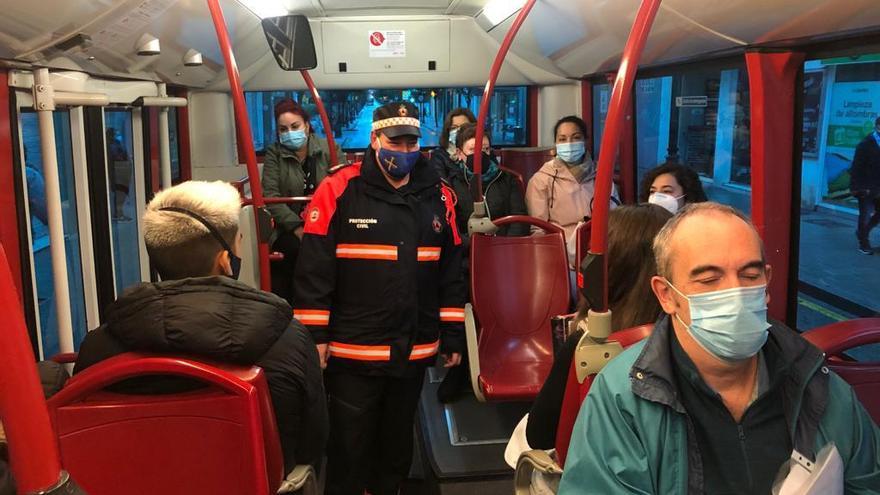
pixel 561 192
pixel 292 166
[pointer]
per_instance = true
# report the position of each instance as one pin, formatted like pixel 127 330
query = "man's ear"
pixel 222 266
pixel 373 138
pixel 664 294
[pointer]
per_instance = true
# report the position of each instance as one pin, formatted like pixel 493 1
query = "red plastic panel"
pixel 582 248
pixel 576 392
pixel 836 338
pixel 518 284
pixel 207 441
pixel 525 162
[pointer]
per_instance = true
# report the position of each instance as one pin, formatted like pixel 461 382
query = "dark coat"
pixel 503 195
pixel 865 171
pixel 224 320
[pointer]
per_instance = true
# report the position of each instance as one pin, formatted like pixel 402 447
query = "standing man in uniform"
pixel 378 283
pixel 865 186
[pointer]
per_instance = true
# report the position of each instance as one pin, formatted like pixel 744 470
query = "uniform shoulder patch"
pixel 320 211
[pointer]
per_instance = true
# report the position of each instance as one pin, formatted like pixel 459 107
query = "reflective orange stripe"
pixel 319 317
pixel 367 251
pixel 429 254
pixel 452 314
pixel 360 352
pixel 422 351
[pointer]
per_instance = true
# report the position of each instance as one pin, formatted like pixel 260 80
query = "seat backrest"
pixel 576 392
pixel 835 339
pixel 517 285
pixel 218 439
pixel 525 161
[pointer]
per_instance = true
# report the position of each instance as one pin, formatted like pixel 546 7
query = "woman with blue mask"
pixel 561 192
pixel 444 158
pixel 292 166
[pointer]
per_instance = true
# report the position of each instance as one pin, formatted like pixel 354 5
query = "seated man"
pixel 713 402
pixel 192 237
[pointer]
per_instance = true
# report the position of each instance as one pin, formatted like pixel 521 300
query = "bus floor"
pixel 461 444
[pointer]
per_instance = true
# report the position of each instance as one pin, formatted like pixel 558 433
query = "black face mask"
pixel 234 261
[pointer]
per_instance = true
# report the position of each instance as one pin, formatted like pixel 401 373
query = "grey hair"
pixel 662 242
pixel 179 245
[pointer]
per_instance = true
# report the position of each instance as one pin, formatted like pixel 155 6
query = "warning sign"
pixel 387 44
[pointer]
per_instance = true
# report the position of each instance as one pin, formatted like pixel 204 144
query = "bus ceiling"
pixel 562 39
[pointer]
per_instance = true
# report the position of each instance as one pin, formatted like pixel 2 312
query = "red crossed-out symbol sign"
pixel 376 39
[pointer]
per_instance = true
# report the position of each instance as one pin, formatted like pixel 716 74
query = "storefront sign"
pixel 854 106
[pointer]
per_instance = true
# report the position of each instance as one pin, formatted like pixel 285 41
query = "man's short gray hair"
pixel 179 245
pixel 662 242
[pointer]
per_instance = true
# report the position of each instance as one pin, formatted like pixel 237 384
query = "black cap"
pixel 397 119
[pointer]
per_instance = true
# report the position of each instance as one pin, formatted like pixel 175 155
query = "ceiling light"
pixel 192 58
pixel 496 11
pixel 264 8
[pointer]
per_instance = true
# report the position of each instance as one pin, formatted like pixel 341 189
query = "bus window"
pixel 350 113
pixel 37 212
pixel 841 97
pixel 122 194
pixel 699 118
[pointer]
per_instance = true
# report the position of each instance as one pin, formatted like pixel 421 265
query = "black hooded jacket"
pixel 223 320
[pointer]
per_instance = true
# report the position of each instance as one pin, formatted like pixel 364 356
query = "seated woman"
pixel 561 192
pixel 671 185
pixel 631 231
pixel 293 166
pixel 503 197
pixel 445 157
pixel 501 189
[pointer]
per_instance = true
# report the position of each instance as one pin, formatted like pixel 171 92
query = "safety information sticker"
pixel 386 44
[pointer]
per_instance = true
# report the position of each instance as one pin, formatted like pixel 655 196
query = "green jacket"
pixel 283 177
pixel 632 433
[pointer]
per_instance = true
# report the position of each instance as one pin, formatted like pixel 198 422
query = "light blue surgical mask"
pixel 571 152
pixel 730 324
pixel 293 140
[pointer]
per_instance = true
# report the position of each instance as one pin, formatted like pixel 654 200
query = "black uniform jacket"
pixel 378 276
pixel 224 320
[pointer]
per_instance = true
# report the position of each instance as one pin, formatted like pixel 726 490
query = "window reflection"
pixel 350 112
pixel 38 216
pixel 122 195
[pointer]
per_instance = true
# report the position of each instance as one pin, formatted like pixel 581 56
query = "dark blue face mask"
pixel 397 164
pixel 234 261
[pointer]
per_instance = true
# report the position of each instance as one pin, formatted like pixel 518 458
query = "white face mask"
pixel 667 201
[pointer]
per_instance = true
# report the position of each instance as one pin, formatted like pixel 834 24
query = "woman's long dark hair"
pixel 447 123
pixel 631 232
pixel 685 176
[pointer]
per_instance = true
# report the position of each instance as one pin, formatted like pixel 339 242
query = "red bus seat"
pixel 517 285
pixel 525 161
pixel 835 339
pixel 582 247
pixel 219 439
pixel 576 392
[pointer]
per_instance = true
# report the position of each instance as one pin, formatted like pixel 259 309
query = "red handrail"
pixel 638 35
pixel 537 222
pixel 487 93
pixel 328 131
pixel 243 132
pixel 36 463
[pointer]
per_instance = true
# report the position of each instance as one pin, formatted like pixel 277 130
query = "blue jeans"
pixel 869 214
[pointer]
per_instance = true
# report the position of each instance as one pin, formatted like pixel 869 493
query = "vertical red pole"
pixel 33 450
pixel 331 142
pixel 617 106
pixel 490 87
pixel 243 132
pixel 534 94
pixel 8 208
pixel 772 78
